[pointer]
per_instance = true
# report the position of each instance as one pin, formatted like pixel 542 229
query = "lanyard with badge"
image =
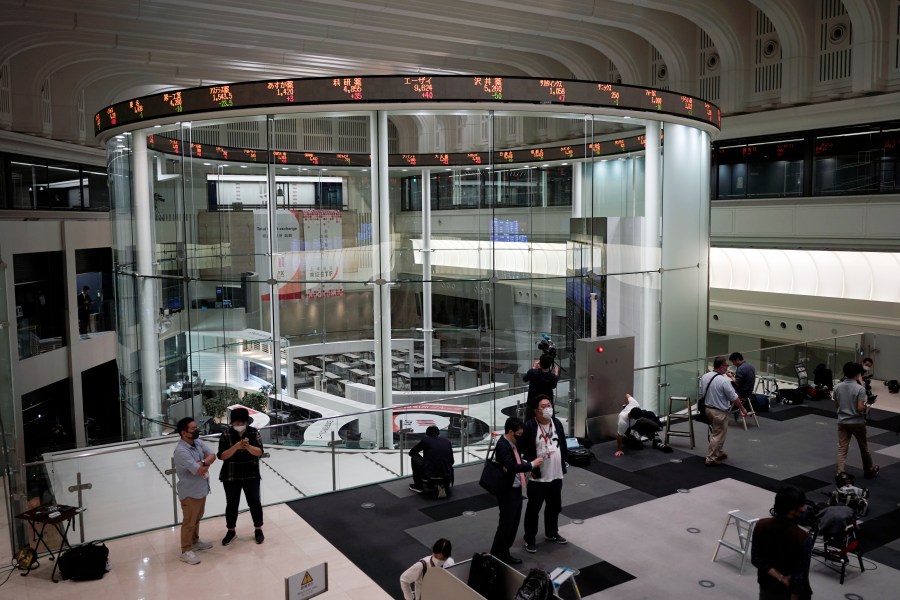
pixel 546 438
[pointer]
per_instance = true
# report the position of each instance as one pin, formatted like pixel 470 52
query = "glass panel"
pixel 846 164
pixel 40 302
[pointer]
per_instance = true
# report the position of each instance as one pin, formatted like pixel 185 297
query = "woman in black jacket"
pixel 510 499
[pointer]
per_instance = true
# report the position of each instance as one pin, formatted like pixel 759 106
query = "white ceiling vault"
pixel 63 60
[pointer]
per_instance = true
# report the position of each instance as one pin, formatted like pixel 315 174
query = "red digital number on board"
pixel 280 157
pixel 537 153
pixel 444 159
pixel 137 107
pixel 222 152
pixel 282 89
pixel 174 100
pixel 343 157
pixel 352 86
pixel 655 100
pixel 312 158
pixel 249 153
pixel 410 159
pixel 474 157
pixel 421 85
pixel 567 151
pixel 197 149
pixel 620 144
pixel 688 103
pixel 506 155
pixel 491 85
pixel 595 148
pixel 111 113
pixel 607 88
pixel 555 87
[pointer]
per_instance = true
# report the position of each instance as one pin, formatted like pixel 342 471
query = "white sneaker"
pixel 189 557
pixel 201 545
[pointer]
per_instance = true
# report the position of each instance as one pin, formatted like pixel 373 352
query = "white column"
pixel 647 387
pixel 381 272
pixel 146 284
pixel 576 189
pixel 426 271
pixel 275 308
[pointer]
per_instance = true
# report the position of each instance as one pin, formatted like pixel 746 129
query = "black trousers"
pixel 510 503
pixel 540 493
pixel 233 489
pixel 418 469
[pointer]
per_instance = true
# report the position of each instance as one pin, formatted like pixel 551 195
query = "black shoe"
pixel 530 547
pixel 557 539
pixel 260 538
pixel 416 488
pixel 512 560
pixel 229 537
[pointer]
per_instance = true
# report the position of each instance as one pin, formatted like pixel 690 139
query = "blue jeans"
pixel 233 501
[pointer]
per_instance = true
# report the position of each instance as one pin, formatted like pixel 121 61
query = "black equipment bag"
pixel 484 577
pixel 893 386
pixel 537 586
pixel 760 402
pixel 84 563
pixel 579 457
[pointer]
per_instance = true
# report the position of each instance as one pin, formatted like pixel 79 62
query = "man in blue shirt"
pixel 192 461
pixel 744 376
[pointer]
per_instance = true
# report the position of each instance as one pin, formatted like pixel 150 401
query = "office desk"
pixel 42 516
pixel 313 369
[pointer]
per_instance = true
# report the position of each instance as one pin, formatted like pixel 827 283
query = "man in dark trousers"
pixel 542 380
pixel 510 499
pixel 431 458
pixel 544 437
pixel 84 303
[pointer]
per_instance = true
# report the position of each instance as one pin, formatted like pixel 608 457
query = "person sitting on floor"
pixel 432 458
pixel 636 424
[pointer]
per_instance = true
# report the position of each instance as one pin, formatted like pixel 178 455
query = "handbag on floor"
pixel 85 562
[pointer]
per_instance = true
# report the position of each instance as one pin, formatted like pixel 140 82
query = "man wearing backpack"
pixel 719 395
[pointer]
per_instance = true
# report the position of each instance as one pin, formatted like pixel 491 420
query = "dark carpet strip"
pixel 605 504
pixel 454 508
pixel 806 483
pixel 600 576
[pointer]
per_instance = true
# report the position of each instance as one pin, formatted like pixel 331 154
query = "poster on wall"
pixel 323 242
pixel 309 253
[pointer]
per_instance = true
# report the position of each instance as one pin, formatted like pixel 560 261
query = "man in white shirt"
pixel 719 394
pixel 544 437
pixel 439 559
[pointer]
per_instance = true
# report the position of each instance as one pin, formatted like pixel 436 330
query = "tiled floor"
pixel 146 566
pixel 634 528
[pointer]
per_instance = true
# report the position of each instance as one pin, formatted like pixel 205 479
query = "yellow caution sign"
pixel 307 583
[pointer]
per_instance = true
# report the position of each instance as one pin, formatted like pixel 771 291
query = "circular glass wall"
pixel 323 259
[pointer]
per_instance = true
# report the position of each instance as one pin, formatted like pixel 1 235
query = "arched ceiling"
pixel 92 53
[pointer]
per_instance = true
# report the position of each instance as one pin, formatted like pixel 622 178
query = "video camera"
pixel 546 346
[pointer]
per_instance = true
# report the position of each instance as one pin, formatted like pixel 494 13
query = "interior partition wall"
pixel 250 244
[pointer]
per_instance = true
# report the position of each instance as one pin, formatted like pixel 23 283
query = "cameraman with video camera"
pixel 542 379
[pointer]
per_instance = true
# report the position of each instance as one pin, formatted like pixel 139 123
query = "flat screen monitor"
pixel 428 383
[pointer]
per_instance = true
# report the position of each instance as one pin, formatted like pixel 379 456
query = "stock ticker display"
pixel 399 89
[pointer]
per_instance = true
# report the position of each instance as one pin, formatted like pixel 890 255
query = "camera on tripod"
pixel 546 346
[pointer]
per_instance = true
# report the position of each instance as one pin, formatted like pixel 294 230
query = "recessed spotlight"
pixel 207 164
pixel 243 166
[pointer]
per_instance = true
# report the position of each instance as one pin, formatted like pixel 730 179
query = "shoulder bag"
pixel 492 476
pixel 701 403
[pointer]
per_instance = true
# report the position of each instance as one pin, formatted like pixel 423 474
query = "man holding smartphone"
pixel 239 450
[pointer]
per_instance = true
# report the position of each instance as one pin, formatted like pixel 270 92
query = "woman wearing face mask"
pixel 781 549
pixel 544 437
pixel 439 559
pixel 239 450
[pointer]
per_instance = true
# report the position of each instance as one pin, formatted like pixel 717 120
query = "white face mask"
pixel 547 412
pixel 437 563
pixel 239 428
